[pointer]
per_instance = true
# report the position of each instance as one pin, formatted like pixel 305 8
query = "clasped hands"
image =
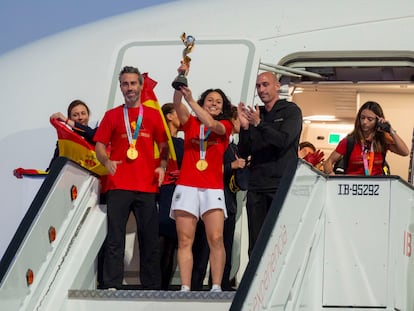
pixel 248 115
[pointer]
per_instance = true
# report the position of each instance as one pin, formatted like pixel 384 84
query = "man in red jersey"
pixel 134 177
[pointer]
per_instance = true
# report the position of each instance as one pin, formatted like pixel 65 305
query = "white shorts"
pixel 197 201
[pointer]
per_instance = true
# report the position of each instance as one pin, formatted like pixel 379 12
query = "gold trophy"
pixel 181 79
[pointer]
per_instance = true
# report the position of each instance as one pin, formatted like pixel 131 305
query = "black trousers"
pixel 168 235
pixel 228 238
pixel 257 206
pixel 119 205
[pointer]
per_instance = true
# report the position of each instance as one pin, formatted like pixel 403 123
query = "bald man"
pixel 269 135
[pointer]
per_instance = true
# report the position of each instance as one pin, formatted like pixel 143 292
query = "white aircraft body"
pixel 331 56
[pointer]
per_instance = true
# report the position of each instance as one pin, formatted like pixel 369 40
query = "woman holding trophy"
pixel 199 191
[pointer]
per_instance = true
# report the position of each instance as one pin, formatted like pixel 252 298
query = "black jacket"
pixel 230 197
pixel 272 145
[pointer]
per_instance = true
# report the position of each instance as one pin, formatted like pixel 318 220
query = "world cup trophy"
pixel 181 79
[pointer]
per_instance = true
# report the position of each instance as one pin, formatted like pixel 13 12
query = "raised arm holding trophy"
pixel 199 192
pixel 181 79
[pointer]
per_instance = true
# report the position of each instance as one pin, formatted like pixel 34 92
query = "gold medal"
pixel 132 153
pixel 201 165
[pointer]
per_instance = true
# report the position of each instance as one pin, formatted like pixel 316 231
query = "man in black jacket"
pixel 270 136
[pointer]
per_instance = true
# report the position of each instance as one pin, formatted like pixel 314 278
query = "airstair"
pixel 339 243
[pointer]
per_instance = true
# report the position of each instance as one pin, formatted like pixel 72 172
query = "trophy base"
pixel 179 82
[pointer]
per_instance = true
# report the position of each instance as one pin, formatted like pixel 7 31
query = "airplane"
pixel 331 57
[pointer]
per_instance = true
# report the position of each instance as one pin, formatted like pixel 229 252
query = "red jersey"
pixel 138 174
pixel 212 176
pixel 356 163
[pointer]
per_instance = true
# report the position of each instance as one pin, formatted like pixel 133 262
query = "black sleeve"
pixel 244 145
pixel 273 134
pixel 85 131
pixel 277 134
pixel 229 156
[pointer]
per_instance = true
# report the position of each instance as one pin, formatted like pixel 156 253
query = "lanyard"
pixel 203 141
pixel 132 140
pixel 368 156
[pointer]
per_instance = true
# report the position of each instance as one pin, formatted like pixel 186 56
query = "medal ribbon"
pixel 132 140
pixel 368 157
pixel 203 141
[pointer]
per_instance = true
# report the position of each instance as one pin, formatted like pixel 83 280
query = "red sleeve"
pixel 229 127
pixel 103 133
pixel 341 148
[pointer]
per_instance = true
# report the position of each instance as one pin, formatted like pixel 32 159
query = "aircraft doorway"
pixel 331 86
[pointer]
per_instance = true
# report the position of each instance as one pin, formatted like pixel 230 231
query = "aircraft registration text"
pixel 358 189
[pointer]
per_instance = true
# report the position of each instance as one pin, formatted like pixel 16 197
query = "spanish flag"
pixel 76 148
pixel 20 172
pixel 149 99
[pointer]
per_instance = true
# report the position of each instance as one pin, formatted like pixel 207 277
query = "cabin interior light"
pixel 320 118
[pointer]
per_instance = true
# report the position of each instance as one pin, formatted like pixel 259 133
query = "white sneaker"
pixel 184 288
pixel 216 289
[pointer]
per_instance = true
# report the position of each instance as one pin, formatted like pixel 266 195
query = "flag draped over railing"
pixel 20 172
pixel 76 148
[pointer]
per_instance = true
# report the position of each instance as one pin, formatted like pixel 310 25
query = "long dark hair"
pixel 226 114
pixel 379 137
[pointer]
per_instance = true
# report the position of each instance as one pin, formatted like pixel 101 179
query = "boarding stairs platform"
pixel 338 243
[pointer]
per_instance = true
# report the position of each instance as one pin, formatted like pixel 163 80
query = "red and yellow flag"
pixel 76 148
pixel 20 172
pixel 149 99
